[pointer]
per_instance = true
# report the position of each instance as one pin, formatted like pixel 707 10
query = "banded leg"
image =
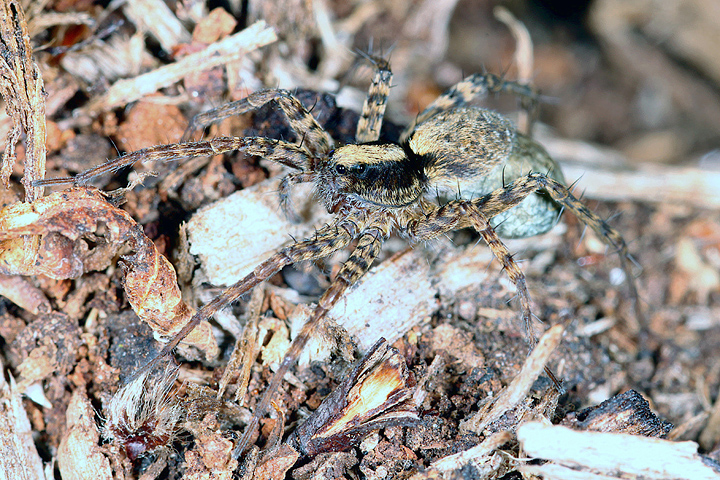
pixel 314 138
pixel 464 213
pixel 276 150
pixel 355 266
pixel 328 239
pixel 373 111
pixel 471 89
pixel 502 199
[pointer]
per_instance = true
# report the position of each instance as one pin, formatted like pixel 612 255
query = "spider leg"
pixel 276 150
pixel 328 239
pixel 464 213
pixel 470 90
pixel 355 266
pixel 502 199
pixel 315 139
pixel 373 111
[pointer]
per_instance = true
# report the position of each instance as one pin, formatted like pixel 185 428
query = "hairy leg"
pixel 470 90
pixel 314 138
pixel 373 111
pixel 504 198
pixel 286 184
pixel 355 266
pixel 276 150
pixel 328 239
pixel 464 213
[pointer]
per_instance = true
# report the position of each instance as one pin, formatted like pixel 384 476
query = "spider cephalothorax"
pixel 378 174
pixel 456 166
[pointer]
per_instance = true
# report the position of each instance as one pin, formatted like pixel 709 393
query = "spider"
pixel 502 182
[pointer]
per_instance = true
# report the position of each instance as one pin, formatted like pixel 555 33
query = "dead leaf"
pixel 64 220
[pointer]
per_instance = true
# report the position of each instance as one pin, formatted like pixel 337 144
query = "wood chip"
pixel 79 455
pixel 610 453
pixel 628 412
pixel 21 86
pixel 19 458
pixel 520 386
pixel 156 18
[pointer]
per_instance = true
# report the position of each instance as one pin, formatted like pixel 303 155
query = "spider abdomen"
pixel 471 151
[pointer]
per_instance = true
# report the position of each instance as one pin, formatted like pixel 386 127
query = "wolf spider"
pixel 374 188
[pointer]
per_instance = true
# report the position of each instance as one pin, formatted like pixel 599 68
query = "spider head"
pixel 380 174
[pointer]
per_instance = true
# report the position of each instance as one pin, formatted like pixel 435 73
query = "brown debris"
pixel 694 276
pixel 71 337
pixel 23 294
pixel 64 219
pixel 21 86
pixel 211 458
pixel 277 466
pixel 457 344
pixel 326 466
pixel 628 412
pixel 245 351
pixel 148 124
pixel 519 387
pixel 48 346
pixel 709 438
pixel 218 24
pixel 630 30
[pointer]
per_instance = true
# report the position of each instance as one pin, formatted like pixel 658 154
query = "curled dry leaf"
pixel 64 220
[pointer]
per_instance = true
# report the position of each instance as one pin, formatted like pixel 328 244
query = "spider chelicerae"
pixel 499 182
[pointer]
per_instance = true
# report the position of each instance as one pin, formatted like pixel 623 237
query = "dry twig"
pixel 225 51
pixel 21 86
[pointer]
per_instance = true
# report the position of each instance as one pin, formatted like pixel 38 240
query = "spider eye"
pixel 341 169
pixel 358 169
